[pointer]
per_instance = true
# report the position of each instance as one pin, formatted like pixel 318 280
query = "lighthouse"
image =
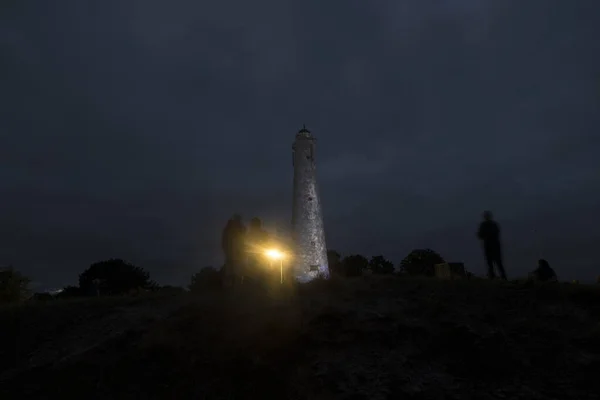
pixel 308 232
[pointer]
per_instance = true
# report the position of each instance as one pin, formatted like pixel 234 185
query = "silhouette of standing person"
pixel 232 243
pixel 257 236
pixel 256 242
pixel 489 233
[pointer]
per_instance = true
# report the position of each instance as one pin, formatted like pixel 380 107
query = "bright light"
pixel 274 254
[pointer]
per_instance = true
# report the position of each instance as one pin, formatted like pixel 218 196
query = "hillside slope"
pixel 366 338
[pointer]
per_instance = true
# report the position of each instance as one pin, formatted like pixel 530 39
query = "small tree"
pixel 114 277
pixel 334 260
pixel 354 265
pixel 421 262
pixel 380 265
pixel 14 286
pixel 207 278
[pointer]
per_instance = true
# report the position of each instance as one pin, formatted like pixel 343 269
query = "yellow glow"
pixel 274 254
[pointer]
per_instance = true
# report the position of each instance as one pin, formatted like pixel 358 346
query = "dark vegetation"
pixel 115 277
pixel 418 262
pixel 14 287
pixel 372 331
pixel 421 262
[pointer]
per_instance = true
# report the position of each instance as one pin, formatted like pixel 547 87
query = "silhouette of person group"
pixel 489 234
pixel 243 249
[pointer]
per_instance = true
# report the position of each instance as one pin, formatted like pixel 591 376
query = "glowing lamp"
pixel 274 254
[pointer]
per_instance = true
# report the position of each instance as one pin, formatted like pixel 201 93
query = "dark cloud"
pixel 135 128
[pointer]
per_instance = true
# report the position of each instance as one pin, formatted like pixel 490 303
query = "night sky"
pixel 134 128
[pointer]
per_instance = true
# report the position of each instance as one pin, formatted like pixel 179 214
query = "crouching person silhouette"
pixel 543 273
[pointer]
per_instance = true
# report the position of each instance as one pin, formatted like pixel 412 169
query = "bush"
pixel 207 279
pixel 421 262
pixel 379 265
pixel 114 277
pixel 354 265
pixel 334 260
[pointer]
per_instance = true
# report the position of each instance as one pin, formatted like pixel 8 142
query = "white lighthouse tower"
pixel 307 218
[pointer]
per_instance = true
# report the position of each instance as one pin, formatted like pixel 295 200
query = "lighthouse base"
pixel 307 274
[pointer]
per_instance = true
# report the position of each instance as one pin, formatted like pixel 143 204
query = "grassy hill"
pixel 363 338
